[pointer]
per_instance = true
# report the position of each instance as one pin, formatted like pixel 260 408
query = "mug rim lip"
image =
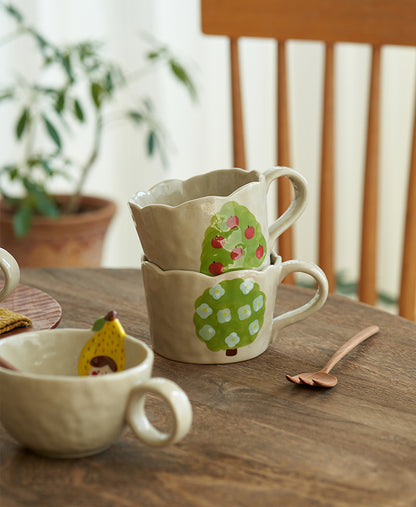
pixel 275 259
pixel 143 365
pixel 132 201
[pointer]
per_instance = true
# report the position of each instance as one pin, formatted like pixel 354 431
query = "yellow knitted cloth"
pixel 10 320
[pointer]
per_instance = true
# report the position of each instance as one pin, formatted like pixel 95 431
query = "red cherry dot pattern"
pixel 249 232
pixel 216 268
pixel 259 251
pixel 236 253
pixel 218 242
pixel 232 222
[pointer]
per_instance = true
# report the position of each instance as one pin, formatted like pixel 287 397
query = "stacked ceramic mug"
pixel 209 270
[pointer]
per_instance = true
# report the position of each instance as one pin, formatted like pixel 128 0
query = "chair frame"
pixel 381 22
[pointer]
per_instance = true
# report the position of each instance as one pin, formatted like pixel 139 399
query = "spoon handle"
pixel 7 365
pixel 349 345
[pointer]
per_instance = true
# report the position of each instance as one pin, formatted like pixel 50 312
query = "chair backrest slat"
pixel 282 113
pixel 407 299
pixel 374 22
pixel 369 226
pixel 286 240
pixel 326 254
pixel 239 155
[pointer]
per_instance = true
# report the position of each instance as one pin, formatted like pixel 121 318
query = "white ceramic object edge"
pixel 10 268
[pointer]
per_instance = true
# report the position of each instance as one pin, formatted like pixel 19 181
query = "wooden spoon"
pixel 7 365
pixel 322 378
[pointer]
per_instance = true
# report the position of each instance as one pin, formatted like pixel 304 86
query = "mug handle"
pixel 177 401
pixel 10 268
pixel 297 205
pixel 313 305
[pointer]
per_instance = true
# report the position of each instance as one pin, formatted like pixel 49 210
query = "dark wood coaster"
pixel 42 309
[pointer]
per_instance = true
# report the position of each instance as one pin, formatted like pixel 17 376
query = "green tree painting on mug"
pixel 230 315
pixel 234 240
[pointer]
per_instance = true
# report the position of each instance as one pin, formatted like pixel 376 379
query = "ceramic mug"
pixel 215 222
pixel 197 319
pixel 11 273
pixel 52 411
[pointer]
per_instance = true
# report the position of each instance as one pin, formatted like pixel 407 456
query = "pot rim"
pixel 101 208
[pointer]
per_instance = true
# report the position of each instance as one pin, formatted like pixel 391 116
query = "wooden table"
pixel 256 440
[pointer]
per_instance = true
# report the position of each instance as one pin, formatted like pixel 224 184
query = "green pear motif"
pixel 230 315
pixel 234 240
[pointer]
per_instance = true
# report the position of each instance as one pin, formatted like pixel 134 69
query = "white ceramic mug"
pixel 215 222
pixel 11 273
pixel 197 319
pixel 54 412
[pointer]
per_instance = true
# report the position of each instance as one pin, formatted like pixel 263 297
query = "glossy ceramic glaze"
pixel 11 273
pixel 51 410
pixel 199 319
pixel 215 222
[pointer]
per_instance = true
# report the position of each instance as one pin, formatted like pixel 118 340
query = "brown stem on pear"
pixel 111 315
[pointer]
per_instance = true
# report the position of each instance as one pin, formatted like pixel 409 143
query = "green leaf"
pixel 48 169
pixel 78 111
pixel 97 92
pixel 33 161
pixel 162 152
pixel 46 90
pixel 66 62
pixel 152 55
pixel 157 53
pixel 22 220
pixel 12 170
pixel 60 102
pixel 151 141
pixel 109 82
pixel 14 12
pixel 99 324
pixel 178 70
pixel 47 60
pixel 6 94
pixel 22 123
pixel 181 74
pixel 52 132
pixel 148 104
pixel 387 298
pixel 45 205
pixel 43 43
pixel 136 116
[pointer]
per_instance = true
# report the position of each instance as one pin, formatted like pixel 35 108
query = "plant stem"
pixel 74 202
pixel 30 134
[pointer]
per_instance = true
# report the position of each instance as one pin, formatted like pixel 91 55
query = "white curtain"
pixel 201 132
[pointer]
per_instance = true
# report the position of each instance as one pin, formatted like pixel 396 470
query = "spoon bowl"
pixel 320 379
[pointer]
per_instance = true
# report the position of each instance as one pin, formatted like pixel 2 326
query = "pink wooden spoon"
pixel 322 378
pixel 7 365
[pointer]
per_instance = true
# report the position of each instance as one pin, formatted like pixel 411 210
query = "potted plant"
pixel 37 226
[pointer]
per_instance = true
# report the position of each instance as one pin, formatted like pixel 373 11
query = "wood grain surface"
pixel 370 22
pixel 256 439
pixel 42 309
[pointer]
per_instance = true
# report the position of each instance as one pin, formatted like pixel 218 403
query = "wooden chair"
pixel 374 22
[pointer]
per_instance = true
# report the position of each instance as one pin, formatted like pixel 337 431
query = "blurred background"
pixel 199 132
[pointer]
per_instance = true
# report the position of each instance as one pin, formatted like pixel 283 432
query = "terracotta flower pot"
pixel 70 240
